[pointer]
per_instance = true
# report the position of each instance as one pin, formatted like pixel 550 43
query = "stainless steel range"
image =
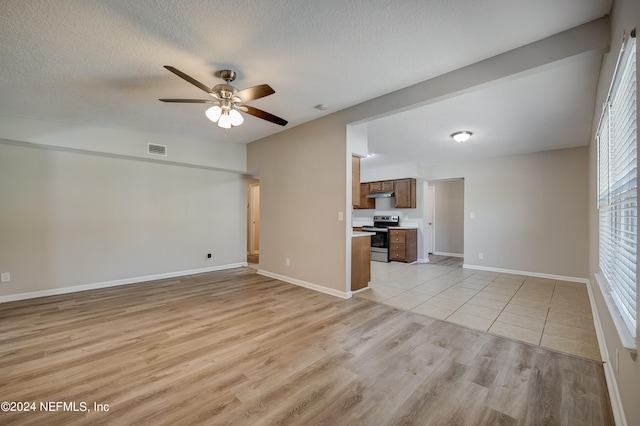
pixel 380 241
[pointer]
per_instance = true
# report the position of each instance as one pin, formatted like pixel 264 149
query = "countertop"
pixel 362 234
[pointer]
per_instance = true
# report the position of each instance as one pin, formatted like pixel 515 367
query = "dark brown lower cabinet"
pixel 403 245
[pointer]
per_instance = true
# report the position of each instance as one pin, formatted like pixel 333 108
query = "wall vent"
pixel 157 149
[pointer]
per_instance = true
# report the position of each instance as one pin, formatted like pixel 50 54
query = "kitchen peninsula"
pixel 360 260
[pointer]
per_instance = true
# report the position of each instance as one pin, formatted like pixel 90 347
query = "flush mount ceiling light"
pixel 462 136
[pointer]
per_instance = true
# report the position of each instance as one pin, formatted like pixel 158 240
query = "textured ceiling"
pixel 100 62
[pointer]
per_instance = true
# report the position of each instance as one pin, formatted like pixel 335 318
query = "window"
pixel 617 186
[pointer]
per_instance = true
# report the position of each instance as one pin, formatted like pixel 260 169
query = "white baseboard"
pixel 609 374
pixel 305 284
pixel 442 253
pixel 527 273
pixel 614 395
pixel 115 283
pixel 361 290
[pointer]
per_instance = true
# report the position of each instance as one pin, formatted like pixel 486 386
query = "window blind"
pixel 617 182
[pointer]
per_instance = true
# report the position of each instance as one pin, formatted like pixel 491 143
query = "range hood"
pixel 387 194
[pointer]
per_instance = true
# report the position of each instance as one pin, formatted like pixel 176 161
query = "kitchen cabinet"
pixel 355 180
pixel 360 261
pixel 405 193
pixel 365 203
pixel 403 244
pixel 381 186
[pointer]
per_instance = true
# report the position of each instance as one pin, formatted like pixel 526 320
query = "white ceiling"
pixel 100 63
pixel 549 109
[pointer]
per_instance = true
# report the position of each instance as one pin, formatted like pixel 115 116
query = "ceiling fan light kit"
pixel 235 117
pixel 224 121
pixel 228 100
pixel 461 136
pixel 213 113
pixel 225 117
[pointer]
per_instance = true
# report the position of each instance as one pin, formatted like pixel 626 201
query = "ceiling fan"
pixel 228 100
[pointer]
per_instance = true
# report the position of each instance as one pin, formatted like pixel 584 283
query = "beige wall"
pixel 303 177
pixel 206 153
pixel 624 17
pixel 530 212
pixel 69 219
pixel 305 172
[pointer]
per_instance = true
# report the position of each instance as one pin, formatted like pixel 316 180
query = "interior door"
pixel 254 218
pixel 429 204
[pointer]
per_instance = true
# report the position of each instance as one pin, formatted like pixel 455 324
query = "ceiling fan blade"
pixel 189 101
pixel 255 92
pixel 190 80
pixel 262 114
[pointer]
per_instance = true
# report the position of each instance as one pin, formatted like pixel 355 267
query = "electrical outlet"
pixel 287 261
pixel 480 255
pixel 5 277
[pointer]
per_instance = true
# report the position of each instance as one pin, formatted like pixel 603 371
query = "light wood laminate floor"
pixel 550 313
pixel 236 348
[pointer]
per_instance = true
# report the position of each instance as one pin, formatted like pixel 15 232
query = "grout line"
pixel 507 304
pixel 472 273
pixel 555 283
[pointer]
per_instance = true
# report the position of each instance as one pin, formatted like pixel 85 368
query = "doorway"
pixel 446 199
pixel 253 221
pixel 429 209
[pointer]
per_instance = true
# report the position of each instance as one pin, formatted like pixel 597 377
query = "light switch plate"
pixel 5 277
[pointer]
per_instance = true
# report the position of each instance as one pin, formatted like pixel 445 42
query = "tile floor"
pixel 549 313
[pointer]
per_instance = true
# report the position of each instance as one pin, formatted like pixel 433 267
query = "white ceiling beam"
pixel 592 38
